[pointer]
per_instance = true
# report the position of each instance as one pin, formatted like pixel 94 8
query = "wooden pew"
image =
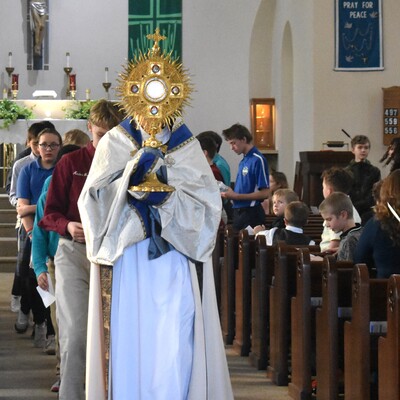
pixel 226 293
pixel 281 291
pixel 389 347
pixel 303 308
pixel 269 219
pixel 360 345
pixel 260 284
pixel 217 256
pixel 336 299
pixel 228 284
pixel 243 274
pixel 314 232
pixel 314 227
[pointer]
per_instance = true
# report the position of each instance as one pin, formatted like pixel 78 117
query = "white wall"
pixel 234 50
pixel 352 100
pixel 94 32
pixel 288 27
pixel 313 101
pixel 216 46
pixel 216 49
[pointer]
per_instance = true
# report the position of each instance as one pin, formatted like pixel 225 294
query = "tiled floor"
pixel 27 373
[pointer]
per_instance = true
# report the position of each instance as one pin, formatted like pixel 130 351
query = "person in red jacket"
pixel 72 266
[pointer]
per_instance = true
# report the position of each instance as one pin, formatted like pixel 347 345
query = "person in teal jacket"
pixel 44 247
pixel 44 243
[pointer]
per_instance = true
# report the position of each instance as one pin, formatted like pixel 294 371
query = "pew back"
pixel 260 302
pixel 330 317
pixel 228 284
pixel 217 257
pixel 389 347
pixel 303 307
pixel 281 291
pixel 246 263
pixel 360 346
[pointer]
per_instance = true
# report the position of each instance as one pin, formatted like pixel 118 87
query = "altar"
pixel 50 110
pixel 13 138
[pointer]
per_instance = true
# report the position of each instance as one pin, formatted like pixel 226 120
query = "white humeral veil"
pixel 189 219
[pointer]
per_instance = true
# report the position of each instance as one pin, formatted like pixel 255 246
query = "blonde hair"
pixel 337 202
pixel 105 114
pixel 77 137
pixel 288 194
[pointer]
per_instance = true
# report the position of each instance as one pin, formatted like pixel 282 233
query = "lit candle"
pixel 4 93
pixel 106 71
pixel 67 54
pixel 72 82
pixel 87 94
pixel 10 59
pixel 14 81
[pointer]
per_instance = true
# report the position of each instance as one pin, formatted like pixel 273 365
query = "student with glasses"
pixel 29 187
pixel 51 146
pixel 31 153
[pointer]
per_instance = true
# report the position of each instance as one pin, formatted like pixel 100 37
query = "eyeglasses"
pixel 51 146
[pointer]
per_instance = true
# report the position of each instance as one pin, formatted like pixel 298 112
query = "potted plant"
pixel 11 111
pixel 79 109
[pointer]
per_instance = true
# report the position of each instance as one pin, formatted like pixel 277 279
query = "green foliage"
pixel 11 111
pixel 80 109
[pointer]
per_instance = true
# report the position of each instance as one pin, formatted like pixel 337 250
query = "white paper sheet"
pixel 48 296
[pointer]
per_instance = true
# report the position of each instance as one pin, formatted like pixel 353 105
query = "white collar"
pixel 294 229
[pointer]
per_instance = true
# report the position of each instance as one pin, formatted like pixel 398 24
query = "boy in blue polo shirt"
pixel 252 180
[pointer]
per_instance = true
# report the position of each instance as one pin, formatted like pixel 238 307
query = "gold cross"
pixel 156 37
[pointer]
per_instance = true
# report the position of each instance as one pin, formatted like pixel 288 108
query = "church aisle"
pixel 250 384
pixel 28 373
pixel 25 372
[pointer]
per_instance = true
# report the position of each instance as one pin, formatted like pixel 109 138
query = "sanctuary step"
pixel 8 216
pixel 4 202
pixel 8 239
pixel 7 229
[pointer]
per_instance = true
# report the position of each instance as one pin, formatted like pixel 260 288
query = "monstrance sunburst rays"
pixel 153 89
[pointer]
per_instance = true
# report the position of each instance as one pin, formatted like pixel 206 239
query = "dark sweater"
pixel 290 237
pixel 376 249
pixel 364 175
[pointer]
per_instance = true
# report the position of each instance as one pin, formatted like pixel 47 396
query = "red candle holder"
pixel 72 82
pixel 14 81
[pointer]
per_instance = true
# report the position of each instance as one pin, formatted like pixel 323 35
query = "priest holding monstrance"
pixel 150 208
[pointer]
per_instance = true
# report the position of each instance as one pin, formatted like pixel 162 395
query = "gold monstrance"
pixel 153 89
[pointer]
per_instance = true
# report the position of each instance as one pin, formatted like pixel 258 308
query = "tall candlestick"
pixel 14 81
pixel 10 59
pixel 67 54
pixel 72 82
pixel 106 72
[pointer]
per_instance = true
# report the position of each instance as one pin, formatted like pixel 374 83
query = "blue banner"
pixel 358 35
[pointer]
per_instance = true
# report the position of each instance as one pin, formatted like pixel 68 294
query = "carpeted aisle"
pixel 27 373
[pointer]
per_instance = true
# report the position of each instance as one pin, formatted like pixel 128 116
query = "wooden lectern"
pixel 307 181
